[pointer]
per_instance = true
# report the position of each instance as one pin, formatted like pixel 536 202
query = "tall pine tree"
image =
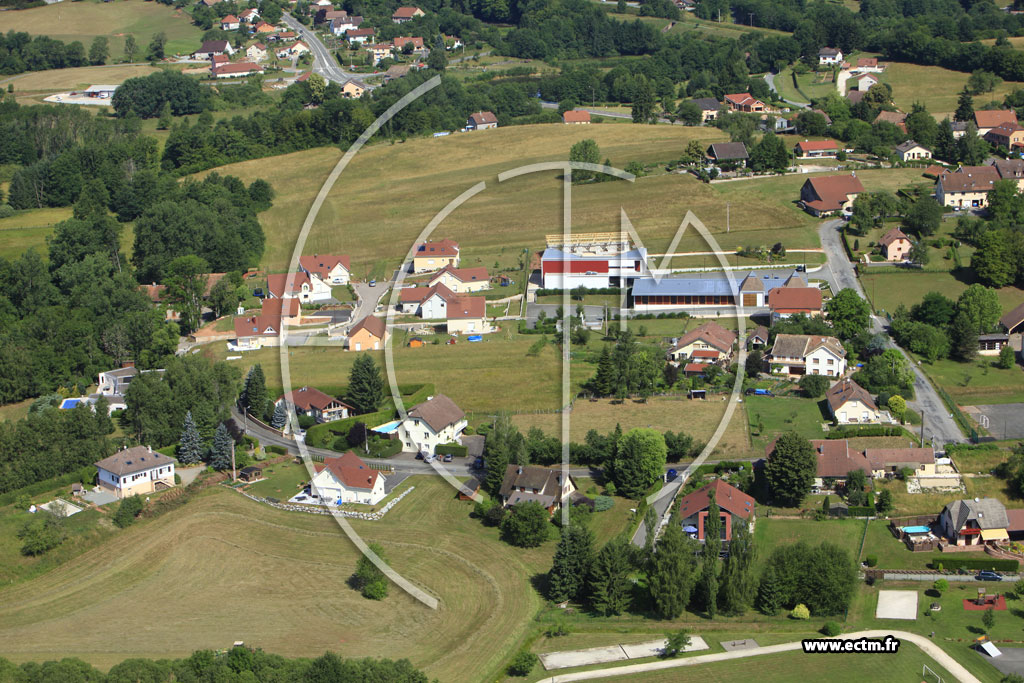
pixel 280 417
pixel 365 385
pixel 504 446
pixel 573 558
pixel 712 547
pixel 190 446
pixel 603 383
pixel 223 445
pixel 671 575
pixel 610 589
pixel 769 593
pixel 254 393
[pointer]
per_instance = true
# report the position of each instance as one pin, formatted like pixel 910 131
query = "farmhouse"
pixel 707 343
pixel 213 47
pixel 911 151
pixel 1008 135
pixel 830 56
pixel 735 507
pixel 369 334
pixel 462 280
pixel 596 260
pixel 528 483
pixel 347 479
pixel 431 256
pixel 895 245
pixel 467 315
pixel 735 152
pixel 784 302
pixel 709 108
pixel 300 285
pixel 850 403
pixel 987 119
pixel 482 120
pixel 404 14
pixel 432 423
pixel 315 403
pixel 816 149
pixel 807 354
pixel 744 102
pixel 330 268
pixel 576 116
pixel 826 195
pixel 974 522
pixel 135 471
pixel 968 186
pixel 236 70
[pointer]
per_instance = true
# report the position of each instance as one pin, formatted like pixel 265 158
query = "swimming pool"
pixel 915 529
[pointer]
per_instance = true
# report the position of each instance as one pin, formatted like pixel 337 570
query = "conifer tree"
pixel 737 585
pixel 254 393
pixel 712 547
pixel 671 576
pixel 223 445
pixel 609 579
pixel 280 417
pixel 769 593
pixel 572 563
pixel 190 446
pixel 365 385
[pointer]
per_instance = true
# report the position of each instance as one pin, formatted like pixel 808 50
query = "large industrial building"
pixel 594 260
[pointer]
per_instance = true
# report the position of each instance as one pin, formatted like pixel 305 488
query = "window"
pixel 816 361
pixel 830 361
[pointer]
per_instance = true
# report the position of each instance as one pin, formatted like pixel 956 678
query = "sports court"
pixel 897 605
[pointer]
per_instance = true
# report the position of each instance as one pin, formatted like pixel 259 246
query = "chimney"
pixel 149 449
pixel 128 364
pixel 520 470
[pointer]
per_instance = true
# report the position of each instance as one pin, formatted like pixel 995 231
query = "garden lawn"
pixel 770 532
pixel 282 483
pixel 978 382
pixel 782 414
pixel 890 288
pixel 83 21
pixel 15 411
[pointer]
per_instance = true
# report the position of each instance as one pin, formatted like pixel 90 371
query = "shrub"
pixel 602 503
pixel 6 211
pixel 831 629
pixel 871 561
pixel 522 664
pixel 989 563
pixel 279 450
pixel 609 488
pixel 941 586
pixel 452 448
pixel 127 511
pixel 800 612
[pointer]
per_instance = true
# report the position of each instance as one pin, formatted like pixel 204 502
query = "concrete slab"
pixel 732 645
pixel 99 497
pixel 61 508
pixel 897 605
pixel 571 658
pixel 654 648
pixel 1010 662
pixel 1003 420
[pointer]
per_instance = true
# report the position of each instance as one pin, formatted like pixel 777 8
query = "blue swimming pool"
pixel 387 428
pixel 915 529
pixel 69 403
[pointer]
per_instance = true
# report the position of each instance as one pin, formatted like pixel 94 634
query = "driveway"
pixel 939 424
pixel 99 497
pixel 188 474
pixel 769 78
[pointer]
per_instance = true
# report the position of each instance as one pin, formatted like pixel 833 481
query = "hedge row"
pixel 970 449
pixel 85 475
pixel 724 466
pixel 861 511
pixel 452 449
pixel 279 450
pixel 993 564
pixel 849 432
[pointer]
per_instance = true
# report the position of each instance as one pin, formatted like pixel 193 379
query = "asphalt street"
pixel 324 62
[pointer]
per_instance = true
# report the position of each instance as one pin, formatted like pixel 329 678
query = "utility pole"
pixel 727 217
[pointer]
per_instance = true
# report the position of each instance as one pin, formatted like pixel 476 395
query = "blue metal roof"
pixel 712 283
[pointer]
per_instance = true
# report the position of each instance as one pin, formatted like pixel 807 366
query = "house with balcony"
pixel 807 354
pixel 432 423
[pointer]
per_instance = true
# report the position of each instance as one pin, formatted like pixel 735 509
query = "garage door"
pixel 750 299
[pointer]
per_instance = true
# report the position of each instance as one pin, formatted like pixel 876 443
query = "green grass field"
pixel 83 21
pixel 782 414
pixel 28 229
pixel 978 382
pixel 888 289
pixel 770 532
pixel 62 80
pixel 812 85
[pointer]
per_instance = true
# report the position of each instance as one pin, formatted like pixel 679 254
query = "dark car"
pixel 419 456
pixel 988 576
pixel 258 293
pixel 478 463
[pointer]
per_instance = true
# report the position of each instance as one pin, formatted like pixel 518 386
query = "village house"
pixel 236 70
pixel 889 463
pixel 378 51
pixel 896 118
pixel 816 149
pixel 836 459
pixel 1009 136
pixel 529 483
pixel 708 343
pixel 329 268
pixel 735 507
pixel 347 479
pixel 576 117
pixel 429 302
pixel 404 14
pixel 431 256
pixel 709 108
pixel 432 423
pixel 315 403
pixel 452 42
pixel 967 186
pixel 135 471
pixel 744 102
pixel 256 52
pixel 213 47
pixel 359 35
pixel 301 285
pixel 865 81
pixel 467 315
pixel 399 42
pixel 895 245
pixel 256 331
pixel 369 334
pixel 728 152
pixel 758 339
pixel 911 151
pixel 229 23
pixel 1010 334
pixel 1011 169
pixel 826 195
pixel 787 301
pixel 113 385
pixel 396 71
pixel 850 403
pixel 974 522
pixel 869 64
pixel 340 26
pixel 462 280
pixel 987 119
pixel 353 88
pixel 830 56
pixel 250 16
pixel 481 120
pixel 264 28
pixel 807 354
pixel 293 50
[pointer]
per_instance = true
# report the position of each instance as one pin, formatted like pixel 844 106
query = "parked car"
pixel 478 463
pixel 373 283
pixel 419 456
pixel 988 576
pixel 429 458
pixel 448 458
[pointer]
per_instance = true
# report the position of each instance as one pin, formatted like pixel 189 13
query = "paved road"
pixel 660 506
pixel 324 62
pixel 938 424
pixel 769 78
pixel 955 668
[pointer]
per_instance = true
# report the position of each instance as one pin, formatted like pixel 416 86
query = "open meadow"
pixel 374 212
pixel 32 87
pixel 83 21
pixel 225 568
pixel 28 229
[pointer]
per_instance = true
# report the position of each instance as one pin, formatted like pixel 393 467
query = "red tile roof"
pixel 310 397
pixel 257 326
pixel 892 236
pixel 867 62
pixel 442 248
pixel 322 264
pixel 576 116
pixel 816 145
pixel 277 281
pixel 994 117
pixel 848 390
pixel 400 41
pixel 372 324
pixel 728 498
pixel 237 68
pixel 482 117
pixel 969 179
pixel 742 99
pixel 710 333
pixel 467 307
pixel 281 307
pixel 478 274
pixel 787 299
pixel 350 470
pixel 833 191
pixel 406 12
